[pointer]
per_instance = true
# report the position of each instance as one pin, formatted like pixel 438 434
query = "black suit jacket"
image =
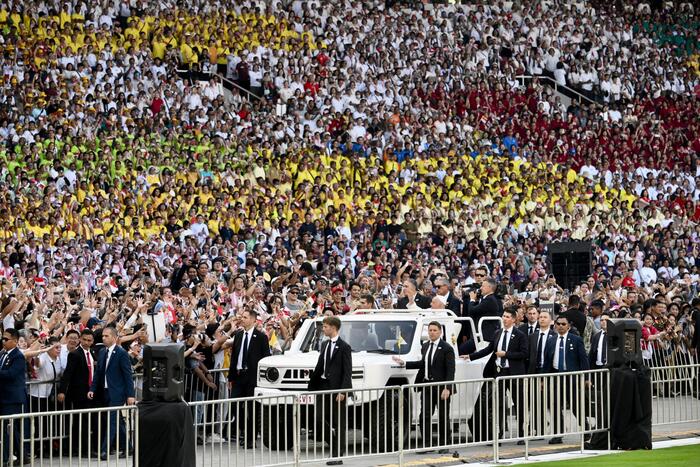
pixel 340 367
pixel 533 357
pixel 593 354
pixel 421 300
pixel 489 306
pixel 258 348
pixel 443 368
pixel 454 304
pixel 516 353
pixel 524 328
pixel 74 382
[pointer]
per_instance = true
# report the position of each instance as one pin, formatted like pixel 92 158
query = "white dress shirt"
pixel 239 365
pixel 544 344
pixel 556 351
pixel 326 356
pixel 599 358
pixel 110 352
pixel 428 357
pixel 503 362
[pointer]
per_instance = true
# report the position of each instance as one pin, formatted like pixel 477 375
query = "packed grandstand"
pixel 197 158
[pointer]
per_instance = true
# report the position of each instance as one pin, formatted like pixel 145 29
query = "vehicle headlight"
pixel 272 374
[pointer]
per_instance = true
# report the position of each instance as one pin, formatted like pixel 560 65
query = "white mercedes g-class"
pixel 375 336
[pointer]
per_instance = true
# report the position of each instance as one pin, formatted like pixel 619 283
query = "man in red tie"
pixel 75 384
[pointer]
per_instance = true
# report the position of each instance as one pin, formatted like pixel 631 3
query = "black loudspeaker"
pixel 571 262
pixel 163 372
pixel 624 343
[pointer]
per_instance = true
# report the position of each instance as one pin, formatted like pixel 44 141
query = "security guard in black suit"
pixel 437 363
pixel 598 359
pixel 333 371
pixel 509 353
pixel 249 347
pixel 538 342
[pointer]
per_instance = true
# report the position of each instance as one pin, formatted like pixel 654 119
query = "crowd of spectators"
pixel 380 144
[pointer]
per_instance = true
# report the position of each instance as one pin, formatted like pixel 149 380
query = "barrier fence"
pixel 296 428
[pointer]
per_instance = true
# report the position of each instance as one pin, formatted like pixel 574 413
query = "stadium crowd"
pixel 363 145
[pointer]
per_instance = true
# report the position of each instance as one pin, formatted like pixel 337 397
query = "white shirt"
pixel 110 352
pixel 544 344
pixel 249 332
pixel 88 360
pixel 503 362
pixel 599 358
pixel 45 371
pixel 327 357
pixel 556 352
pixel 434 345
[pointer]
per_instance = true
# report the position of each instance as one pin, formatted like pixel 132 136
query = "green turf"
pixel 682 456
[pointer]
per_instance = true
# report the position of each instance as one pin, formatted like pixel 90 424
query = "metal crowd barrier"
pixel 531 407
pixel 675 394
pixel 71 437
pixel 246 431
pixel 310 427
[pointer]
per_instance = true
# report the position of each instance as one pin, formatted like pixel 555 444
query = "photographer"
pixel 488 306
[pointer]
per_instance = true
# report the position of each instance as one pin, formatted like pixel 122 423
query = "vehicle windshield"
pixel 390 337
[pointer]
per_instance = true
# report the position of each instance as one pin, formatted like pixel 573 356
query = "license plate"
pixel 307 399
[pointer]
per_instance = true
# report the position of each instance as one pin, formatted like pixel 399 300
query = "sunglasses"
pixel 561 324
pixel 480 275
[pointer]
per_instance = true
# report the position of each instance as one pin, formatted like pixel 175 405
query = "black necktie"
pixel 604 357
pixel 53 366
pixel 531 330
pixel 504 343
pixel 244 360
pixel 539 350
pixel 327 366
pixel 430 361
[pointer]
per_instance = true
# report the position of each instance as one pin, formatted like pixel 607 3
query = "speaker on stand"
pixel 166 427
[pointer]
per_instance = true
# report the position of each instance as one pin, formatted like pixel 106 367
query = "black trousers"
pixel 538 404
pixel 430 399
pixel 515 388
pixel 83 429
pixel 16 427
pixel 330 416
pixel 245 419
pixel 565 392
pixel 480 424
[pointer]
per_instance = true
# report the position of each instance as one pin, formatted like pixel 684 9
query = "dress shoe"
pixel 556 440
pixel 103 456
pixel 335 462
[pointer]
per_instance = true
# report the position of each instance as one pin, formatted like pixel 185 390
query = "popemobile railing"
pixel 294 428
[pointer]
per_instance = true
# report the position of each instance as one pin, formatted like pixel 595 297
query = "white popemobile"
pixel 375 336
